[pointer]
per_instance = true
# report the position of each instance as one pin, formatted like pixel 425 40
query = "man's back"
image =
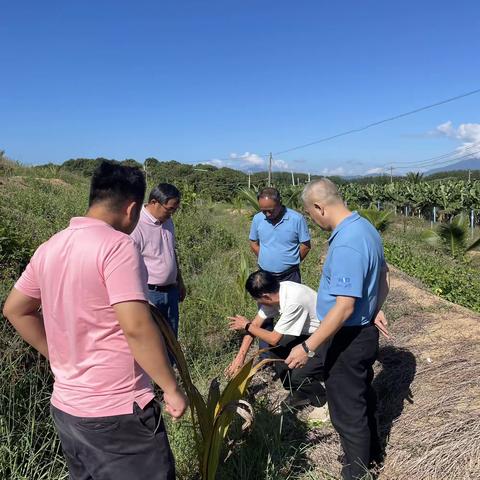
pixel 79 274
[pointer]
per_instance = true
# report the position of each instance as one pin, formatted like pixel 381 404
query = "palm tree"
pixel 452 236
pixel 380 219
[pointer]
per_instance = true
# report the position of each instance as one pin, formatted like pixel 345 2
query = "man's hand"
pixel 298 357
pixel 238 322
pixel 235 366
pixel 175 403
pixel 381 323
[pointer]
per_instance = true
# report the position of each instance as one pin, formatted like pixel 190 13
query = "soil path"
pixel 427 380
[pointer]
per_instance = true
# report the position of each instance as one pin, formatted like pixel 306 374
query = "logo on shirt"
pixel 344 282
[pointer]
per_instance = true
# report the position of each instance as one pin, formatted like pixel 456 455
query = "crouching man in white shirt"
pixel 294 307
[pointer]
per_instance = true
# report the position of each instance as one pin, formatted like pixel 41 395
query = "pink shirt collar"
pixel 85 222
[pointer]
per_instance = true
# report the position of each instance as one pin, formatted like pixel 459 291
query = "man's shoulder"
pixel 295 215
pixel 258 216
pixel 297 292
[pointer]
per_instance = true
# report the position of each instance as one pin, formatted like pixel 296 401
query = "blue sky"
pixel 229 81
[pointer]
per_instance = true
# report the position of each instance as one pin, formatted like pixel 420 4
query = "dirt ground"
pixel 427 381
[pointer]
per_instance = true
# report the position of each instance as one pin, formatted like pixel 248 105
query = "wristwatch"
pixel 310 353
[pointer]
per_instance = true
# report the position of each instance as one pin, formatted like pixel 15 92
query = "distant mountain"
pixel 469 164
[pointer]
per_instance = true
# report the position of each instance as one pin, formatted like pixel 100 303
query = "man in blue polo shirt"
pixel 352 290
pixel 280 239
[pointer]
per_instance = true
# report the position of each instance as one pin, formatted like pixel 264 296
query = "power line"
pixel 431 160
pixel 445 162
pixel 360 129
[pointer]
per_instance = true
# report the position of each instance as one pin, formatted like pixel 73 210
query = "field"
pixel 427 376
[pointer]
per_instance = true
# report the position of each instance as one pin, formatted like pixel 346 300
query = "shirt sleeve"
pixel 347 273
pixel 125 274
pixel 136 236
pixel 303 232
pixel 28 283
pixel 292 320
pixel 253 230
pixel 265 311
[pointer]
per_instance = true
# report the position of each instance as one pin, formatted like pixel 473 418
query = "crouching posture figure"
pixel 294 307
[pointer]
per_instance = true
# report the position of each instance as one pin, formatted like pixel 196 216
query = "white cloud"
pixel 375 170
pixel 215 162
pixel 248 161
pixel 468 133
pixel 328 172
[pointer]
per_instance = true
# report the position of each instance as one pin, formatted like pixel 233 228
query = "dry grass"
pixel 427 380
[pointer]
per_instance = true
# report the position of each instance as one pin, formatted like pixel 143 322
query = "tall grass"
pixel 211 242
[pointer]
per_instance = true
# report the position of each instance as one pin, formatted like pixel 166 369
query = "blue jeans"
pixel 167 303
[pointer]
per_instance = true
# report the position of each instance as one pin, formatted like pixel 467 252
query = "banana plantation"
pixel 434 200
pixel 423 199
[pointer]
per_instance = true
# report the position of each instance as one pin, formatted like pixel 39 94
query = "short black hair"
pixel 164 192
pixel 269 192
pixel 260 282
pixel 114 183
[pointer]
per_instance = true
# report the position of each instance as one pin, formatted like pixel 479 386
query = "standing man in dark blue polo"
pixel 352 290
pixel 279 237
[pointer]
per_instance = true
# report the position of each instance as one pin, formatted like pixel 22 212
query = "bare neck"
pixel 338 214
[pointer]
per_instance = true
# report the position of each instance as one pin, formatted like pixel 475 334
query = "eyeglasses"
pixel 169 209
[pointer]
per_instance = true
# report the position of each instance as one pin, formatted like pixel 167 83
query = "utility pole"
pixel 293 179
pixel 270 171
pixel 391 174
pixel 249 180
pixel 308 177
pixel 469 175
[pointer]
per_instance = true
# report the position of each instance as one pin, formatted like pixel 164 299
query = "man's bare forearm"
pixel 248 339
pixel 272 338
pixel 255 247
pixel 304 249
pixel 30 327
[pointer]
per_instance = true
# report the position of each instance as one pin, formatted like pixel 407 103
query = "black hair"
pixel 164 192
pixel 115 184
pixel 261 282
pixel 269 192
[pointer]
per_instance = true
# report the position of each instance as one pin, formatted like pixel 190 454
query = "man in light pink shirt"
pixel 154 237
pixel 96 330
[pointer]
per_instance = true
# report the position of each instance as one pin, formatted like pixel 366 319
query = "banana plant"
pixel 211 418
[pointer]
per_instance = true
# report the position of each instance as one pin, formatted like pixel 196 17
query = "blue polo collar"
pixel 286 216
pixel 344 223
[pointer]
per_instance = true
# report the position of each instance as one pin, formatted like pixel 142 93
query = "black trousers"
pixel 351 398
pixel 305 380
pixel 290 275
pixel 120 447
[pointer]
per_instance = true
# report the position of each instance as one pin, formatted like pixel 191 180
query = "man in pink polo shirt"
pixel 96 330
pixel 154 236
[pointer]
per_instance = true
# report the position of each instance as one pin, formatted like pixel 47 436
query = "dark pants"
pixel 290 275
pixel 351 398
pixel 305 380
pixel 120 447
pixel 167 302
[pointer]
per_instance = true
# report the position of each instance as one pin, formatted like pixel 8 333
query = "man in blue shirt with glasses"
pixel 352 290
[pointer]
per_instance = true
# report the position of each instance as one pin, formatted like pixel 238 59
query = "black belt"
pixel 161 288
pixel 288 271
